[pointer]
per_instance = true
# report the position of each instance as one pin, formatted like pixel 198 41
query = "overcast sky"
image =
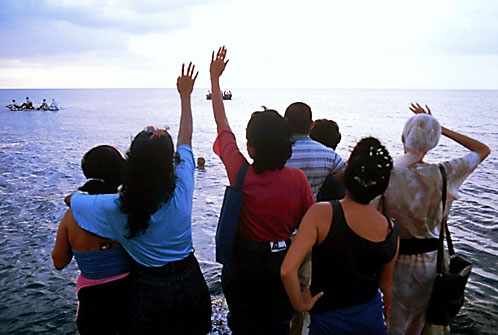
pixel 430 44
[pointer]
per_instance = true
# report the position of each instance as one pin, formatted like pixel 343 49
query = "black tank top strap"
pixel 390 223
pixel 337 216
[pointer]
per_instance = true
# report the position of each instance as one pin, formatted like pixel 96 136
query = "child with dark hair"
pixel 353 252
pixel 151 218
pixel 104 265
pixel 327 133
pixel 274 200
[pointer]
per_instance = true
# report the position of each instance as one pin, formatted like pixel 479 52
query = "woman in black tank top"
pixel 354 249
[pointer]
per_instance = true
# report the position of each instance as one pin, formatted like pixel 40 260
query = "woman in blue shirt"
pixel 151 219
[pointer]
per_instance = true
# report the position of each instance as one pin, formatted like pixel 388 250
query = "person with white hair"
pixel 53 105
pixel 413 198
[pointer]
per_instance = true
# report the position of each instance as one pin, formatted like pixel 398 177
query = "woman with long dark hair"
pixel 274 200
pixel 353 252
pixel 151 218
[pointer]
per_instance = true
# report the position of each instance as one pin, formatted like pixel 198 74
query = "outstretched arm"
pixel 185 85
pixel 473 145
pixel 217 67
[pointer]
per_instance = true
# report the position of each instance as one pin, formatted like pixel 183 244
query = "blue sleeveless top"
pixel 103 263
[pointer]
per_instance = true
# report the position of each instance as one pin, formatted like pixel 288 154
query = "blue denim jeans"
pixel 367 318
pixel 173 299
pixel 255 295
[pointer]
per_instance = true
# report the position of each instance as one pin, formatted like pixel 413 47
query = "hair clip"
pixel 154 132
pixel 364 183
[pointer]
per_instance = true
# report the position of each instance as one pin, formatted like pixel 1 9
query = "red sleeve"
pixel 226 147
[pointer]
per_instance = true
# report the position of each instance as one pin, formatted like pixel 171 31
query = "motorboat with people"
pixel 226 95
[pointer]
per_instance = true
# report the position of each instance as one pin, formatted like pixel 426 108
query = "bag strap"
pixel 444 227
pixel 241 175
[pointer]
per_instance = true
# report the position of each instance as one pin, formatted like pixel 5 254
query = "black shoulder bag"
pixel 229 217
pixel 448 290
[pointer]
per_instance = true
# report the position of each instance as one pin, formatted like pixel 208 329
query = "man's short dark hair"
pixel 299 117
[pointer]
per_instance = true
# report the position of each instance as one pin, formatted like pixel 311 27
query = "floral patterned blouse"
pixel 414 194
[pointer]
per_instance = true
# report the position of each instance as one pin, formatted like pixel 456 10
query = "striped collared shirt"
pixel 316 160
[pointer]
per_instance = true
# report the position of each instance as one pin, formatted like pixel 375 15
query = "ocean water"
pixel 40 155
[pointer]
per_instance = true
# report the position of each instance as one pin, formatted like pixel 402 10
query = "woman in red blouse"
pixel 275 199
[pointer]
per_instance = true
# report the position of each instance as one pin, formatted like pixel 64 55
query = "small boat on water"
pixel 227 95
pixel 28 106
pixel 17 108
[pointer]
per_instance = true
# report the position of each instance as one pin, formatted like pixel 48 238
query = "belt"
pixel 264 246
pixel 414 246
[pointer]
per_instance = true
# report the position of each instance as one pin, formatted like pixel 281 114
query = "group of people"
pixel 359 260
pixel 226 95
pixel 28 104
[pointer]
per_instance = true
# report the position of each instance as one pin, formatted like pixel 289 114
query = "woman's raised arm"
pixel 185 85
pixel 216 68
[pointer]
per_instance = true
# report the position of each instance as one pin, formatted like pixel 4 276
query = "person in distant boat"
pixel 27 105
pixel 53 104
pixel 43 105
pixel 13 105
pixel 104 280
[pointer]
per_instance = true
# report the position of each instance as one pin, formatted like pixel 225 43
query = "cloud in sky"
pixel 134 43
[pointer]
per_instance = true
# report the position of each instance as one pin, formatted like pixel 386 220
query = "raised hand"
pixel 417 109
pixel 185 82
pixel 218 63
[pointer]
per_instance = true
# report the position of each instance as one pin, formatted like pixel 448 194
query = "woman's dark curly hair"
pixel 148 178
pixel 368 170
pixel 269 135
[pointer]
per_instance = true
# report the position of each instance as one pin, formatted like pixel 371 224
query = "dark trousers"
pixel 173 299
pixel 254 292
pixel 105 308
